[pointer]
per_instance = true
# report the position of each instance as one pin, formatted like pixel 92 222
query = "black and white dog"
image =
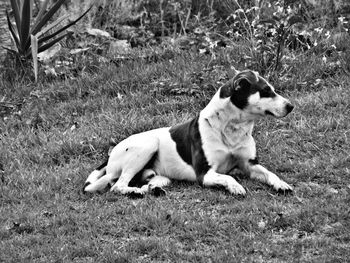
pixel 206 149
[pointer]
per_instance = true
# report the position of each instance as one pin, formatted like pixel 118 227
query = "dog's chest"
pixel 223 147
pixel 235 136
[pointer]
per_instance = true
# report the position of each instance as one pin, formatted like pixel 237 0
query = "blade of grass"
pixel 12 31
pixel 47 17
pixel 34 47
pixel 25 23
pixel 41 40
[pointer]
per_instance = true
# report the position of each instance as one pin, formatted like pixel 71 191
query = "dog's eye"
pixel 266 92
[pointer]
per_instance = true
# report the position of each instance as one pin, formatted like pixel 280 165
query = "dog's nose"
pixel 289 107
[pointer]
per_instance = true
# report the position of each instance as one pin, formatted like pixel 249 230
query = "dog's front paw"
pixel 126 190
pixel 158 191
pixel 282 186
pixel 135 195
pixel 236 189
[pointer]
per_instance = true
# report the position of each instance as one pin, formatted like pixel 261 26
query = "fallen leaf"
pixel 97 32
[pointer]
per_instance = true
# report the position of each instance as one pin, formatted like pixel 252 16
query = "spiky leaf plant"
pixel 30 34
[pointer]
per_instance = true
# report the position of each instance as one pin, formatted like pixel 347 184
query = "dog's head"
pixel 253 95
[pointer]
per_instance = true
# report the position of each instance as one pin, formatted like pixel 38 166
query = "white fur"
pixel 213 178
pixel 133 153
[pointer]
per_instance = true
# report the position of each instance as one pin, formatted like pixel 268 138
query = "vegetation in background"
pixel 32 35
pixel 131 66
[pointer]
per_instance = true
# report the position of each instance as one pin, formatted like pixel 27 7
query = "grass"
pixel 57 131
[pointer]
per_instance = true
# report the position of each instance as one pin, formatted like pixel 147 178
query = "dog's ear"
pixel 232 72
pixel 247 76
pixel 227 89
pixel 241 81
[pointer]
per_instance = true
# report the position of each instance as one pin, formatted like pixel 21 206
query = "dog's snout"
pixel 289 107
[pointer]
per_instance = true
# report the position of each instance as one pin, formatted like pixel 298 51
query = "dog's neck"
pixel 223 116
pixel 225 130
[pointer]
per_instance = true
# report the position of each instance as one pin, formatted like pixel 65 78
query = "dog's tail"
pixel 95 175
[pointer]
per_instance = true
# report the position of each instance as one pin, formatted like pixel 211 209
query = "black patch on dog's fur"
pixel 267 92
pixel 136 180
pixel 158 191
pixel 239 97
pixel 189 146
pixel 242 86
pixel 102 166
pixel 254 161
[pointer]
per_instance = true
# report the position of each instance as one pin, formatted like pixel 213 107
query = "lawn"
pixel 55 132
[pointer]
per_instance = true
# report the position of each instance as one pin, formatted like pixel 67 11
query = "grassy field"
pixel 55 132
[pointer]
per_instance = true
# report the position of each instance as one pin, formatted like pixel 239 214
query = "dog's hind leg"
pixel 137 153
pixel 156 184
pixel 95 175
pixel 100 184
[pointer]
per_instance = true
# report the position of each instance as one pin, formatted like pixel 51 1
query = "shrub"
pixel 30 35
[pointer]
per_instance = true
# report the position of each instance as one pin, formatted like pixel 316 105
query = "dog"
pixel 207 149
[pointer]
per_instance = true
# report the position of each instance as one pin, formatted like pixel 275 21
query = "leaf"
pixel 16 11
pixel 47 28
pixel 14 52
pixel 295 19
pixel 41 13
pixel 50 44
pixel 63 28
pixel 268 21
pixel 12 31
pixel 78 50
pixel 52 25
pixel 25 22
pixel 34 46
pixel 47 17
pixel 97 32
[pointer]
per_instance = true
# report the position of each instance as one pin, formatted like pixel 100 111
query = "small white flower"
pixel 341 19
pixel 273 31
pixel 262 224
pixel 318 29
pixel 279 9
pixel 327 34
